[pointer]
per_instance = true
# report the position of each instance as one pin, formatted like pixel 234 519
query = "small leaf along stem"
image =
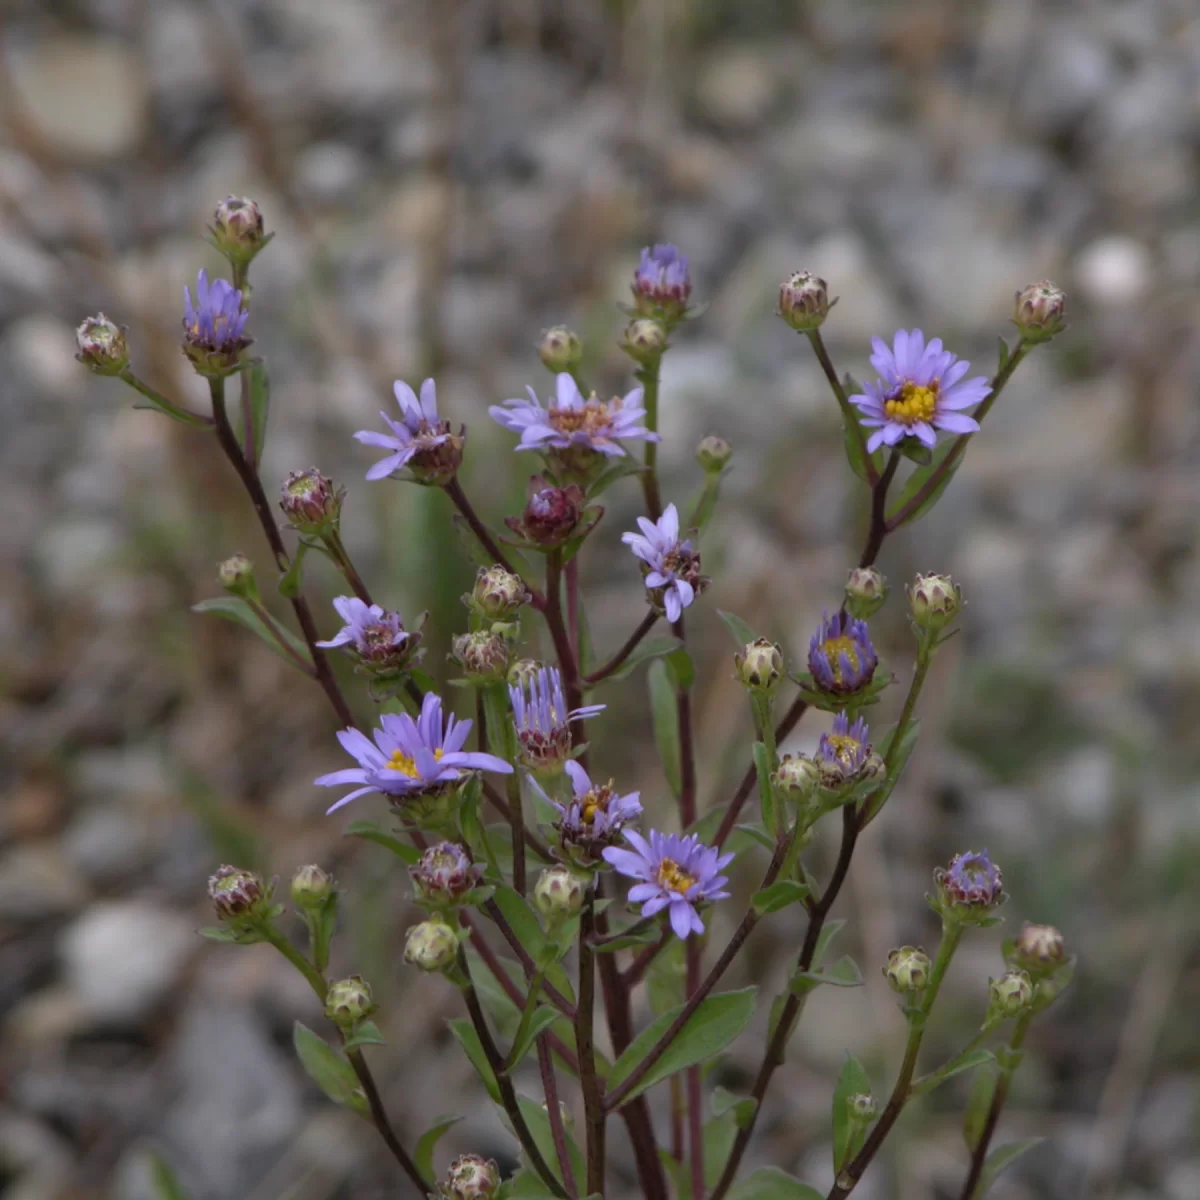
pixel 159 401
pixel 553 994
pixel 999 1097
pixel 248 474
pixel 273 628
pixel 839 392
pixel 337 550
pixel 631 644
pixel 585 1015
pixel 648 376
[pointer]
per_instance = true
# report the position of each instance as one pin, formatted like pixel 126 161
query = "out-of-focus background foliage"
pixel 445 180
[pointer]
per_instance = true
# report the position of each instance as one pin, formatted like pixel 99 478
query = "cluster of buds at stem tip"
pixel 561 349
pixel 101 345
pixel 431 946
pixel 559 893
pixel 759 665
pixel 645 340
pixel 907 970
pixel 969 889
pixel 483 655
pixel 312 889
pixel 236 574
pixel 1009 996
pixel 933 601
pixel 237 230
pixel 349 1002
pixel 470 1177
pixel 1039 311
pixel 497 594
pixel 239 897
pixel 444 876
pixel 804 301
pixel 713 453
pixel 550 515
pixel 866 590
pixel 311 503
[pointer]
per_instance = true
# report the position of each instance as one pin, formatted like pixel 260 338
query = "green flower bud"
pixel 101 345
pixel 1009 995
pixel 713 453
pixel 559 893
pixel 311 503
pixel 796 776
pixel 497 593
pixel 760 665
pixel 471 1177
pixel 349 1001
pixel 1039 310
pixel 431 946
pixel 236 574
pixel 804 301
pixel 866 590
pixel 524 670
pixel 237 229
pixel 560 349
pixel 1039 949
pixel 907 969
pixel 645 340
pixel 933 601
pixel 483 656
pixel 238 896
pixel 874 768
pixel 311 888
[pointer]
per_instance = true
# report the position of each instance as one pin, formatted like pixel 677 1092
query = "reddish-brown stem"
pixel 631 644
pixel 380 1119
pixel 571 573
pixel 554 1112
pixel 879 527
pixel 568 667
pixel 559 1000
pixel 532 841
pixel 695 1099
pixel 585 1016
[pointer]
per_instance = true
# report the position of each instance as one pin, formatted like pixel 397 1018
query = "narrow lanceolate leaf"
pixel 528 929
pixel 427 1142
pixel 998 1159
pixel 848 1133
pixel 164 1180
pixel 542 1019
pixel 651 648
pixel 742 1107
pixel 464 1031
pixel 983 1087
pixel 742 634
pixel 665 715
pixel 380 836
pixel 920 477
pixel 713 1026
pixel 328 1069
pixel 779 895
pixel 843 973
pixel 770 1183
pixel 538 1120
pixel 234 608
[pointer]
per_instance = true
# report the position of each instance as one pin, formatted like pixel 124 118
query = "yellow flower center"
pixel 914 403
pixel 593 418
pixel 844 748
pixel 595 801
pixel 673 877
pixel 403 763
pixel 834 648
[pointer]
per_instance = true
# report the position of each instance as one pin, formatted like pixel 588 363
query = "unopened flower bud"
pixel 523 671
pixel 311 503
pixel 237 229
pixel 349 1001
pixel 645 340
pixel 471 1177
pixel 236 574
pixel 970 887
pixel 483 656
pixel 1009 995
pixel 907 969
pixel 560 349
pixel 873 769
pixel 933 601
pixel 311 888
pixel 559 893
pixel 101 345
pixel 551 513
pixel 238 895
pixel 1038 949
pixel 760 665
pixel 804 301
pixel 796 776
pixel 443 875
pixel 498 593
pixel 1039 311
pixel 431 946
pixel 713 453
pixel 862 1106
pixel 866 590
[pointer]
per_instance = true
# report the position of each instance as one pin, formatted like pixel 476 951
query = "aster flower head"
pixel 576 434
pixel 594 817
pixel 408 757
pixel 842 753
pixel 840 656
pixel 443 876
pixel 214 327
pixel 311 503
pixel 677 872
pixel 671 566
pixel 374 635
pixel 662 283
pixel 552 514
pixel 101 345
pixel 970 887
pixel 542 720
pixel 920 391
pixel 420 440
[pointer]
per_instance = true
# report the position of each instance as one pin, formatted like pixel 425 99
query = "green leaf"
pixel 528 929
pixel 464 1031
pixel 291 582
pixel 665 979
pixel 164 1180
pixel 240 937
pixel 770 1183
pixel 427 1142
pixel 650 648
pixel 1005 353
pixel 260 406
pixel 977 1058
pixel 983 1087
pixel 538 1120
pixel 683 670
pixel 718 1137
pixel 766 793
pixel 998 1159
pixel 706 503
pixel 843 973
pixel 666 722
pixel 829 931
pixel 779 895
pixel 917 480
pixel 847 1130
pixel 366 1034
pixel 622 468
pixel 742 634
pixel 544 1016
pixel 714 1025
pixel 380 836
pixel 620 941
pixel 176 414
pixel 328 1069
pixel 742 1107
pixel 235 609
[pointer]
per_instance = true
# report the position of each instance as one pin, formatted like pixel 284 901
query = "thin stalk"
pixel 249 442
pixel 458 497
pixel 585 1014
pixel 554 1112
pixel 695 1095
pixel 572 577
pixel 567 665
pixel 535 988
pixel 687 748
pixel 927 1082
pixel 158 400
pixel 648 376
pixel 879 526
pixel 527 964
pixel 276 633
pixel 839 392
pixel 631 644
pixel 532 841
pixel 335 546
pixel 516 823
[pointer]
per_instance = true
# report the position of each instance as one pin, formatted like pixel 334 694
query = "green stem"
pixel 926 1083
pixel 315 979
pixel 648 376
pixel 335 546
pixel 158 400
pixel 535 988
pixel 585 1013
pixel 839 392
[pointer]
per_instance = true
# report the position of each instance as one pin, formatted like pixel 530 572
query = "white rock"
pixel 1114 271
pixel 123 957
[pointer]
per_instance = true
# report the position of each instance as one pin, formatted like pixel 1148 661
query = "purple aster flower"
pixel 971 881
pixel 676 872
pixel 569 422
pixel 419 440
pixel 409 757
pixel 671 566
pixel 374 634
pixel 840 655
pixel 920 390
pixel 842 753
pixel 595 816
pixel 662 283
pixel 542 720
pixel 214 328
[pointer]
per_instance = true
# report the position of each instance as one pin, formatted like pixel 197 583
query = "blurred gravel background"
pixel 445 181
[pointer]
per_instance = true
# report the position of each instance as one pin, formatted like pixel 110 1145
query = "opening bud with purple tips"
pixel 239 897
pixel 1009 996
pixel 804 301
pixel 551 513
pixel 543 722
pixel 797 777
pixel 760 665
pixel 444 876
pixel 471 1177
pixel 237 230
pixel 101 345
pixel 559 894
pixel 662 284
pixel 969 889
pixel 561 349
pixel 431 946
pixel 483 656
pixel 907 969
pixel 866 590
pixel 312 889
pixel 214 327
pixel 1038 949
pixel 1039 312
pixel 497 593
pixel 645 340
pixel 349 1002
pixel 236 574
pixel 713 453
pixel 311 503
pixel 933 601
